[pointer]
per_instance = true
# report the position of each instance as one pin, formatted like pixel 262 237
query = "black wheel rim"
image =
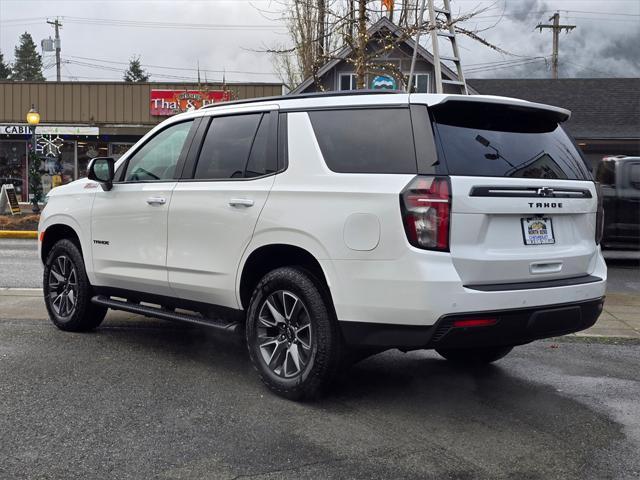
pixel 63 286
pixel 285 334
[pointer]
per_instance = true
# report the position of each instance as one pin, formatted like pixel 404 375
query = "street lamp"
pixel 33 119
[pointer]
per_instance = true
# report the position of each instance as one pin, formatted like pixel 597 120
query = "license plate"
pixel 537 231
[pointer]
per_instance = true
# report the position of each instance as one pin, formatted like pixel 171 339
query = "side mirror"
pixel 101 170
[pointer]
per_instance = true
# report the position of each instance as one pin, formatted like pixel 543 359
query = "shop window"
pixel 58 165
pixel 13 168
pixel 88 150
pixel 116 150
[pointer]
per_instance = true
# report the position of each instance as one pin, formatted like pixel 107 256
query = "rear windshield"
pixel 368 140
pixel 504 141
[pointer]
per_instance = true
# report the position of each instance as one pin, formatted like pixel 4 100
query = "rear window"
pixel 371 140
pixel 505 141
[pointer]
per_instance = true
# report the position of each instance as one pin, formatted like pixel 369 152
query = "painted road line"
pixel 19 234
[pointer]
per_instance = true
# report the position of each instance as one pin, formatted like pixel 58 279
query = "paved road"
pixel 19 263
pixel 146 399
pixel 20 267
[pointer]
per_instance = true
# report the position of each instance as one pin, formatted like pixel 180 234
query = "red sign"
pixel 170 102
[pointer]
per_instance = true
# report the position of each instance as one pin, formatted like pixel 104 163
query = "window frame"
pixel 122 169
pixel 352 81
pixel 272 116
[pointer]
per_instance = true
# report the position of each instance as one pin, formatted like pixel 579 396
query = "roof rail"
pixel 341 93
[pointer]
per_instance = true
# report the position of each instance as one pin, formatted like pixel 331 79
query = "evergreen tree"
pixel 28 62
pixel 5 69
pixel 135 73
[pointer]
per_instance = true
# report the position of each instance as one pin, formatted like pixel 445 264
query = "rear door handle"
pixel 241 202
pixel 156 200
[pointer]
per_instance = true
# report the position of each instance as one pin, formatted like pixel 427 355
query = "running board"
pixel 147 311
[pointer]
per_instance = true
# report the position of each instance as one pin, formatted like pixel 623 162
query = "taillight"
pixel 426 209
pixel 599 215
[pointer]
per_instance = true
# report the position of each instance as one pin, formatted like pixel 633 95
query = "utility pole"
pixel 557 28
pixel 56 24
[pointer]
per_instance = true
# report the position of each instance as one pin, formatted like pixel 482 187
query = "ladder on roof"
pixel 448 32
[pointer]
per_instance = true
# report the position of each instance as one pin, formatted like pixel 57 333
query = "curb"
pixel 31 234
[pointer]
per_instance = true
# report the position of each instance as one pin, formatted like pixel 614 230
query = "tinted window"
pixel 226 147
pixel 504 141
pixel 157 159
pixel 366 140
pixel 606 173
pixel 261 160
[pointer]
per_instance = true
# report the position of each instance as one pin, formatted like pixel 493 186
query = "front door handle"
pixel 156 200
pixel 241 202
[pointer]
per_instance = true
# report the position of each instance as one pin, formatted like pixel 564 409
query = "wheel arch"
pixel 271 256
pixel 55 232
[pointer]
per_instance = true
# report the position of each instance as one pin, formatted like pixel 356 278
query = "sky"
pixel 228 37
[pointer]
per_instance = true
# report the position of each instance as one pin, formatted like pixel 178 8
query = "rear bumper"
pixel 511 327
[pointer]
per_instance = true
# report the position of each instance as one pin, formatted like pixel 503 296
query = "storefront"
pixel 83 120
pixel 64 152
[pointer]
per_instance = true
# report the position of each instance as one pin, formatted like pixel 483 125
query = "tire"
pixel 67 291
pixel 474 356
pixel 291 317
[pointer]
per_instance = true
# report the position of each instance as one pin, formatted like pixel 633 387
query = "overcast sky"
pixel 97 34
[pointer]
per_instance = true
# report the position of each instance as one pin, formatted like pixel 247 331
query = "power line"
pixel 244 72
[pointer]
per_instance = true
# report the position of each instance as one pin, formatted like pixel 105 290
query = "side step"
pixel 229 327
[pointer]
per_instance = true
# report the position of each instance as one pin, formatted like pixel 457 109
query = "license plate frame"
pixel 533 234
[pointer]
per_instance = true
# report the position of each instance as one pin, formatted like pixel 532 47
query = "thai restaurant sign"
pixel 170 102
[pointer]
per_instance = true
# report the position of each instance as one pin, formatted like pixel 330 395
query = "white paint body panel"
pixel 196 245
pixel 207 237
pixel 136 256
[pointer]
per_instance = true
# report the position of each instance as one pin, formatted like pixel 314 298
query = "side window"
pixel 157 159
pixel 261 160
pixel 634 175
pixel 605 174
pixel 368 140
pixel 226 147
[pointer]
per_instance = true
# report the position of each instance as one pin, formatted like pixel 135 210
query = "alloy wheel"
pixel 63 286
pixel 285 334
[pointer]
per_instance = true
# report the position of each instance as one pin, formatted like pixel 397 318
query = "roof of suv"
pixel 378 97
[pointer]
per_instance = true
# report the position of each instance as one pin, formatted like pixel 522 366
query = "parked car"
pixel 328 227
pixel 619 178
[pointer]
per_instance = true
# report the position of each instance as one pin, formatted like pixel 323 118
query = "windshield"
pixel 504 141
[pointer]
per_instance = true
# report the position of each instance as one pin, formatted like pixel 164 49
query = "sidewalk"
pixel 621 316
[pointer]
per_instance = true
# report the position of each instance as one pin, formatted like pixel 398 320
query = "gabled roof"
pixel 345 52
pixel 601 108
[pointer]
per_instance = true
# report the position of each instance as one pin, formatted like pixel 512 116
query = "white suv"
pixel 330 227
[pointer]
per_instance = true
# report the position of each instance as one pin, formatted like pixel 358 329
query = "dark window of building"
pixel 420 83
pixel 348 82
pixel 262 161
pixel 226 147
pixel 371 140
pixel 157 159
pixel 490 140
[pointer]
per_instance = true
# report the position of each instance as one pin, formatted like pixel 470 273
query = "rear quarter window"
pixel 368 140
pixel 477 139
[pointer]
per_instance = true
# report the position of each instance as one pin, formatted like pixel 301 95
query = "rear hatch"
pixel 523 205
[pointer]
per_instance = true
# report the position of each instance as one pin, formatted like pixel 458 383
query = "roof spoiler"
pixel 562 114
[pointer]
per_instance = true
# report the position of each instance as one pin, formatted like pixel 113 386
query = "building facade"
pixel 83 120
pixel 339 73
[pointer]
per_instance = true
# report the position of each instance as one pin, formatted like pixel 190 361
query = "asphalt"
pixel 147 399
pixel 20 266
